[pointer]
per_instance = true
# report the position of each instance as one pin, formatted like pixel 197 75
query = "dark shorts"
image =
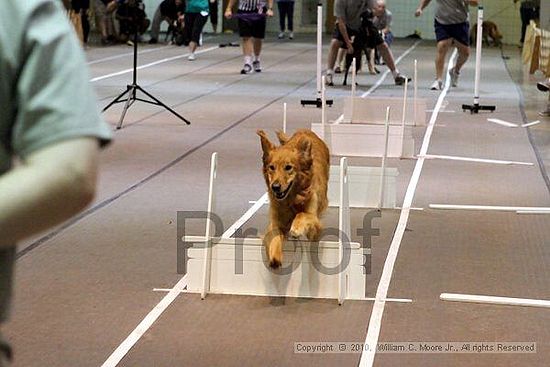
pixel 372 37
pixel 194 23
pixel 253 26
pixel 459 32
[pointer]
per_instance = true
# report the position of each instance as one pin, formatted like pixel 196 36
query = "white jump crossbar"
pixel 454 297
pixel 343 244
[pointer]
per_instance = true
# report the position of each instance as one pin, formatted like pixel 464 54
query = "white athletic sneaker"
pixel 281 35
pixel 437 85
pixel 191 57
pixel 291 35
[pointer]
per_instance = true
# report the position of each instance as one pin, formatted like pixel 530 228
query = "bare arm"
pixel 423 4
pixel 228 11
pixel 49 186
pixel 344 32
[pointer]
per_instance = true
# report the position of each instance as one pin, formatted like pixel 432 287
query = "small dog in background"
pixel 296 174
pixel 490 31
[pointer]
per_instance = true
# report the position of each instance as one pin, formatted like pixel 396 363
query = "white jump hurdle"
pixel 368 110
pixel 325 269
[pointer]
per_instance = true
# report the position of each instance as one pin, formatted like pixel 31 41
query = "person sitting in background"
pixel 132 20
pixel 103 10
pixel 49 123
pixel 170 11
pixel 382 21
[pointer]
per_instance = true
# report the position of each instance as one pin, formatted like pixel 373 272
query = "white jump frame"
pixel 344 243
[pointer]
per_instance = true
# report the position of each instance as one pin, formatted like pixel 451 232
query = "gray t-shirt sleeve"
pixel 53 93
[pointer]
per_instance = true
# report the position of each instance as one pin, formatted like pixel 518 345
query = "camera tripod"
pixel 131 92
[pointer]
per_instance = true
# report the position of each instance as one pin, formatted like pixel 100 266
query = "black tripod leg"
pixel 131 96
pixel 163 105
pixel 117 99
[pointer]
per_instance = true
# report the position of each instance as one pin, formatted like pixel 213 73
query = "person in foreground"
pixel 49 124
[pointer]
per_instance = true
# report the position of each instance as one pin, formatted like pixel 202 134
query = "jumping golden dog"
pixel 296 174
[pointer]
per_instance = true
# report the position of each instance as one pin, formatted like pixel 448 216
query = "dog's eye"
pixel 288 167
pixel 271 167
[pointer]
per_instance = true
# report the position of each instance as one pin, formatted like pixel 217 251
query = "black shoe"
pixel 153 41
pixel 247 69
pixel 543 86
pixel 400 79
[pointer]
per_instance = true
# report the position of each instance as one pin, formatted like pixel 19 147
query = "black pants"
pixel 286 10
pixel 527 14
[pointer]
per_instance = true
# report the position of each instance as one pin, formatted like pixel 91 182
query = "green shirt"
pixel 45 94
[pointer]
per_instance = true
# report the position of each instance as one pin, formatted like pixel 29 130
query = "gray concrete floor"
pixel 81 289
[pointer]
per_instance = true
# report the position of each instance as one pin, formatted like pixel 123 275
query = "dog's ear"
pixel 305 148
pixel 267 146
pixel 283 138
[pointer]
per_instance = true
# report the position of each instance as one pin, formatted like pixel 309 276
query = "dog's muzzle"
pixel 280 195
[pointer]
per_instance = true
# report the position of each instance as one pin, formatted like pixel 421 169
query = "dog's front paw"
pixel 296 232
pixel 275 263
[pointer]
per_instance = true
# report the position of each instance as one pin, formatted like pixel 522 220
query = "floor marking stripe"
pixel 375 322
pixel 168 59
pixel 494 300
pixel 119 353
pixel 477 160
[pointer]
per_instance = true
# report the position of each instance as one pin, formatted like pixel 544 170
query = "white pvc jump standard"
pixel 212 265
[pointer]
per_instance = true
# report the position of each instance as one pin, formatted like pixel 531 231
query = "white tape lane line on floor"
pixel 476 160
pixel 382 77
pixel 168 59
pixel 120 56
pixel 119 353
pixel 375 322
pixel 123 349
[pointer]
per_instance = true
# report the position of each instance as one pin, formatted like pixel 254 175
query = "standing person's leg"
pixel 461 35
pixel 282 6
pixel 198 23
pixel 85 20
pixel 525 18
pixel 290 22
pixel 258 35
pixel 213 10
pixel 245 32
pixel 155 27
pixel 100 10
pixel 442 48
